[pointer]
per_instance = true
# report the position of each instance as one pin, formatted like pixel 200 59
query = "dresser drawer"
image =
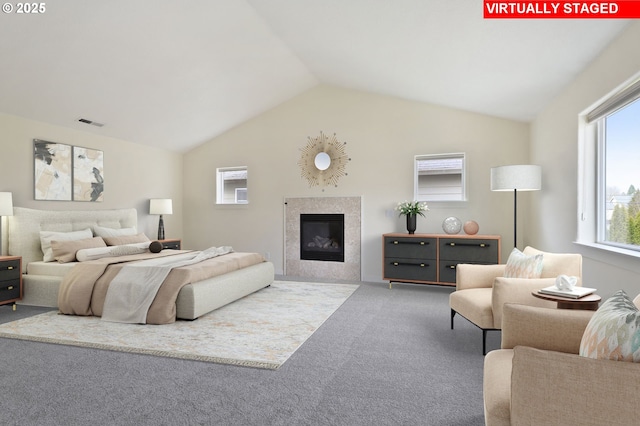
pixel 9 290
pixel 469 250
pixel 406 247
pixel 448 270
pixel 9 269
pixel 398 269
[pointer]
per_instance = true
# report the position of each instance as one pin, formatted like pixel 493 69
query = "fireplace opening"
pixel 322 237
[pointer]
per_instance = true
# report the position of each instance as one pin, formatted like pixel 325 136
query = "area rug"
pixel 261 330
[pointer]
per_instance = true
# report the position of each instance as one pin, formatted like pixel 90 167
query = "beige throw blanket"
pixel 132 291
pixel 84 288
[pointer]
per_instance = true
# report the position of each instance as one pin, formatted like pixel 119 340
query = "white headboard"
pixel 25 225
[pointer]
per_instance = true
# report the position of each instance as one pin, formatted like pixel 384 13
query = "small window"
pixel 232 185
pixel 440 177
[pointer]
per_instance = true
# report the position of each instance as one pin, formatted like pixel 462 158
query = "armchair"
pixel 481 290
pixel 537 377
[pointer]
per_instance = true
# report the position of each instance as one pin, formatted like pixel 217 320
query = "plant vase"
pixel 411 223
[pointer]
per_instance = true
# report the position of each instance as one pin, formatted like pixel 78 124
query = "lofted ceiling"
pixel 175 74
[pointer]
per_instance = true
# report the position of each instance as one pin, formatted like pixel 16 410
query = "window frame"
pixel 592 199
pixel 221 199
pixel 463 177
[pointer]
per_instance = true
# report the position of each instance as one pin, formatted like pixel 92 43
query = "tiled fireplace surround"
pixel 347 270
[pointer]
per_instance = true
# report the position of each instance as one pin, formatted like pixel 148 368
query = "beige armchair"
pixel 481 290
pixel 538 378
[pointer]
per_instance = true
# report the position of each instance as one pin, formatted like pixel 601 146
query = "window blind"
pixel 615 102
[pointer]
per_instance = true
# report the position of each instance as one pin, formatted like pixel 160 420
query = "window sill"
pixel 232 206
pixel 615 256
pixel 446 204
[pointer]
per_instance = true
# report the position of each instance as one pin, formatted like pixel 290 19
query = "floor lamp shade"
pixel 516 178
pixel 160 206
pixel 521 178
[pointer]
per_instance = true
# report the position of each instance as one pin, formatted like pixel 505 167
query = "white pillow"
pixel 94 253
pixel 103 232
pixel 47 236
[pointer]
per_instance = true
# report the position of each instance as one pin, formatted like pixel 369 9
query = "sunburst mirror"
pixel 323 160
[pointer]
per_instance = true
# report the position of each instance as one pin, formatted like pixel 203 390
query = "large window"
pixel 440 177
pixel 231 185
pixel 614 126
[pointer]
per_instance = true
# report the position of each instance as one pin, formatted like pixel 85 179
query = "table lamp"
pixel 6 209
pixel 160 206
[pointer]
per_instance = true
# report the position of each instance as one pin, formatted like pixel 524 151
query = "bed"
pixel 42 280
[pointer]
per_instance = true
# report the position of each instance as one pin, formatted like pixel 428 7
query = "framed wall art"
pixel 53 170
pixel 88 174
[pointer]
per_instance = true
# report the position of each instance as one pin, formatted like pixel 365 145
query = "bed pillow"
pixel 94 253
pixel 65 251
pixel 102 231
pixel 126 239
pixel 519 265
pixel 47 236
pixel 613 332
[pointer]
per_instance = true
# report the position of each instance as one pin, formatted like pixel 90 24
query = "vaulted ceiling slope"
pixel 175 74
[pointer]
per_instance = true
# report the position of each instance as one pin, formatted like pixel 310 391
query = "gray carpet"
pixel 386 357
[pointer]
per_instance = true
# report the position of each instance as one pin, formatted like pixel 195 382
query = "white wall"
pixel 554 145
pixel 383 135
pixel 133 172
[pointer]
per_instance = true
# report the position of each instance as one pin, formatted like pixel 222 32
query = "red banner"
pixel 623 9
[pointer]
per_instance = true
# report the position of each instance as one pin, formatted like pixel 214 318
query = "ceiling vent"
pixel 93 123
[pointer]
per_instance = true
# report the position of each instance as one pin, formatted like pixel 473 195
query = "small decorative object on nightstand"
pixel 10 280
pixel 174 244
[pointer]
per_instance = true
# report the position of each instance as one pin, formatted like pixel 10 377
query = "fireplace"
pixel 322 237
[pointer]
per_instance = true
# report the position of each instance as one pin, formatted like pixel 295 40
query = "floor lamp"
pixel 160 206
pixel 516 178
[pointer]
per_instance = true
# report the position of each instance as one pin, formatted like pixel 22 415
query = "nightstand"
pixel 10 280
pixel 173 244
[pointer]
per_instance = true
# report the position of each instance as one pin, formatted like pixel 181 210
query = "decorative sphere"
pixel 452 225
pixel 471 227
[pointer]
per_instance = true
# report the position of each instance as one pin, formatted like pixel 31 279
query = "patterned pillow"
pixel 613 331
pixel 519 265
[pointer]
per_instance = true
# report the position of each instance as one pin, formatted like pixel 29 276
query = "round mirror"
pixel 322 161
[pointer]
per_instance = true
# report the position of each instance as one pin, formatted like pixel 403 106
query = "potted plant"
pixel 411 209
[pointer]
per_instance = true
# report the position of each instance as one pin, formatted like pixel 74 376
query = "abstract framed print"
pixel 88 174
pixel 53 170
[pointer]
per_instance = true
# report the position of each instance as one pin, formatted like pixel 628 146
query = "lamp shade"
pixel 160 206
pixel 519 177
pixel 6 204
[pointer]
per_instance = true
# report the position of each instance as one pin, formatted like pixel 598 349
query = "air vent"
pixel 93 123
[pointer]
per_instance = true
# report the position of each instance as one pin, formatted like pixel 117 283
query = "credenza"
pixel 432 258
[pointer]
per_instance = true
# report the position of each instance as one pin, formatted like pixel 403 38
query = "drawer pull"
pixel 10 287
pixel 421 265
pixel 451 266
pixel 421 243
pixel 483 245
pixel 10 268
